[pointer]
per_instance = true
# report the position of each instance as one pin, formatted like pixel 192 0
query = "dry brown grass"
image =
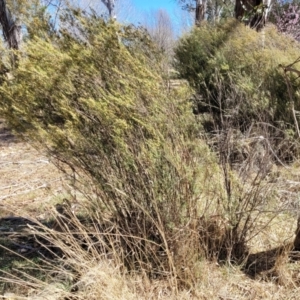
pixel 30 186
pixel 104 280
pixel 29 183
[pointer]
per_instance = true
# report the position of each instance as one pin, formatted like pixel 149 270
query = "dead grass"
pixel 30 186
pixel 29 183
pixel 103 280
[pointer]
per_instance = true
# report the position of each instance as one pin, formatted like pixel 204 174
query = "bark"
pixel 110 5
pixel 297 238
pixel 11 31
pixel 200 11
pixel 242 7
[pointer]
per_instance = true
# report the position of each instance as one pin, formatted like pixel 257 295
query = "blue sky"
pixel 168 5
pixel 141 11
pixel 181 19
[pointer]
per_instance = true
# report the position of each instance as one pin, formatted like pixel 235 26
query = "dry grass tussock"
pixel 102 278
pixel 88 271
pixel 88 260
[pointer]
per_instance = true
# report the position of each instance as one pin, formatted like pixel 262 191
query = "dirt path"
pixel 29 183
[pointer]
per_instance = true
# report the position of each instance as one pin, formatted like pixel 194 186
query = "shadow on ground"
pixel 20 252
pixel 273 264
pixel 6 136
pixel 17 243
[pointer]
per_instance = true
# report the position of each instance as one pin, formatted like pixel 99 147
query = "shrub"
pixel 93 98
pixel 242 99
pixel 237 75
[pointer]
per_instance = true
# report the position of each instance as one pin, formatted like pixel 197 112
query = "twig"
pixel 290 69
pixel 292 182
pixel 24 162
pixel 24 192
pixel 22 185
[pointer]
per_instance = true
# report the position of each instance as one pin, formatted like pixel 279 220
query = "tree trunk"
pixel 297 238
pixel 200 11
pixel 11 31
pixel 110 5
pixel 256 11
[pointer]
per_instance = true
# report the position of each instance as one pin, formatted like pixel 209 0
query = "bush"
pixel 237 75
pixel 196 49
pixel 93 98
pixel 242 99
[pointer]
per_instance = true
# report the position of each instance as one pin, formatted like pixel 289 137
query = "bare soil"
pixel 29 183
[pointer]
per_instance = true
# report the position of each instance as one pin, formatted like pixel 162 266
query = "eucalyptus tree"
pixel 198 6
pixel 110 5
pixel 11 30
pixel 252 12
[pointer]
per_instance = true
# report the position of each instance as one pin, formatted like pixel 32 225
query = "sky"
pixel 138 5
pixel 169 5
pixel 141 11
pixel 143 8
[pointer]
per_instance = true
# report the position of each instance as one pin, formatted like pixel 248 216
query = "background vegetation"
pixel 237 73
pixel 167 179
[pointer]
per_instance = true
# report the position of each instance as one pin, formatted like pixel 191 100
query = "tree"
pixel 110 5
pixel 198 6
pixel 122 10
pixel 10 29
pixel 26 17
pixel 252 12
pixel 212 10
pixel 161 30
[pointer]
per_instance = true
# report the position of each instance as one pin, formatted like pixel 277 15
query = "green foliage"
pixel 197 48
pixel 31 15
pixel 94 98
pixel 238 75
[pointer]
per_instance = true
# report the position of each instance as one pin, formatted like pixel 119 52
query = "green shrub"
pixel 93 98
pixel 236 73
pixel 197 48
